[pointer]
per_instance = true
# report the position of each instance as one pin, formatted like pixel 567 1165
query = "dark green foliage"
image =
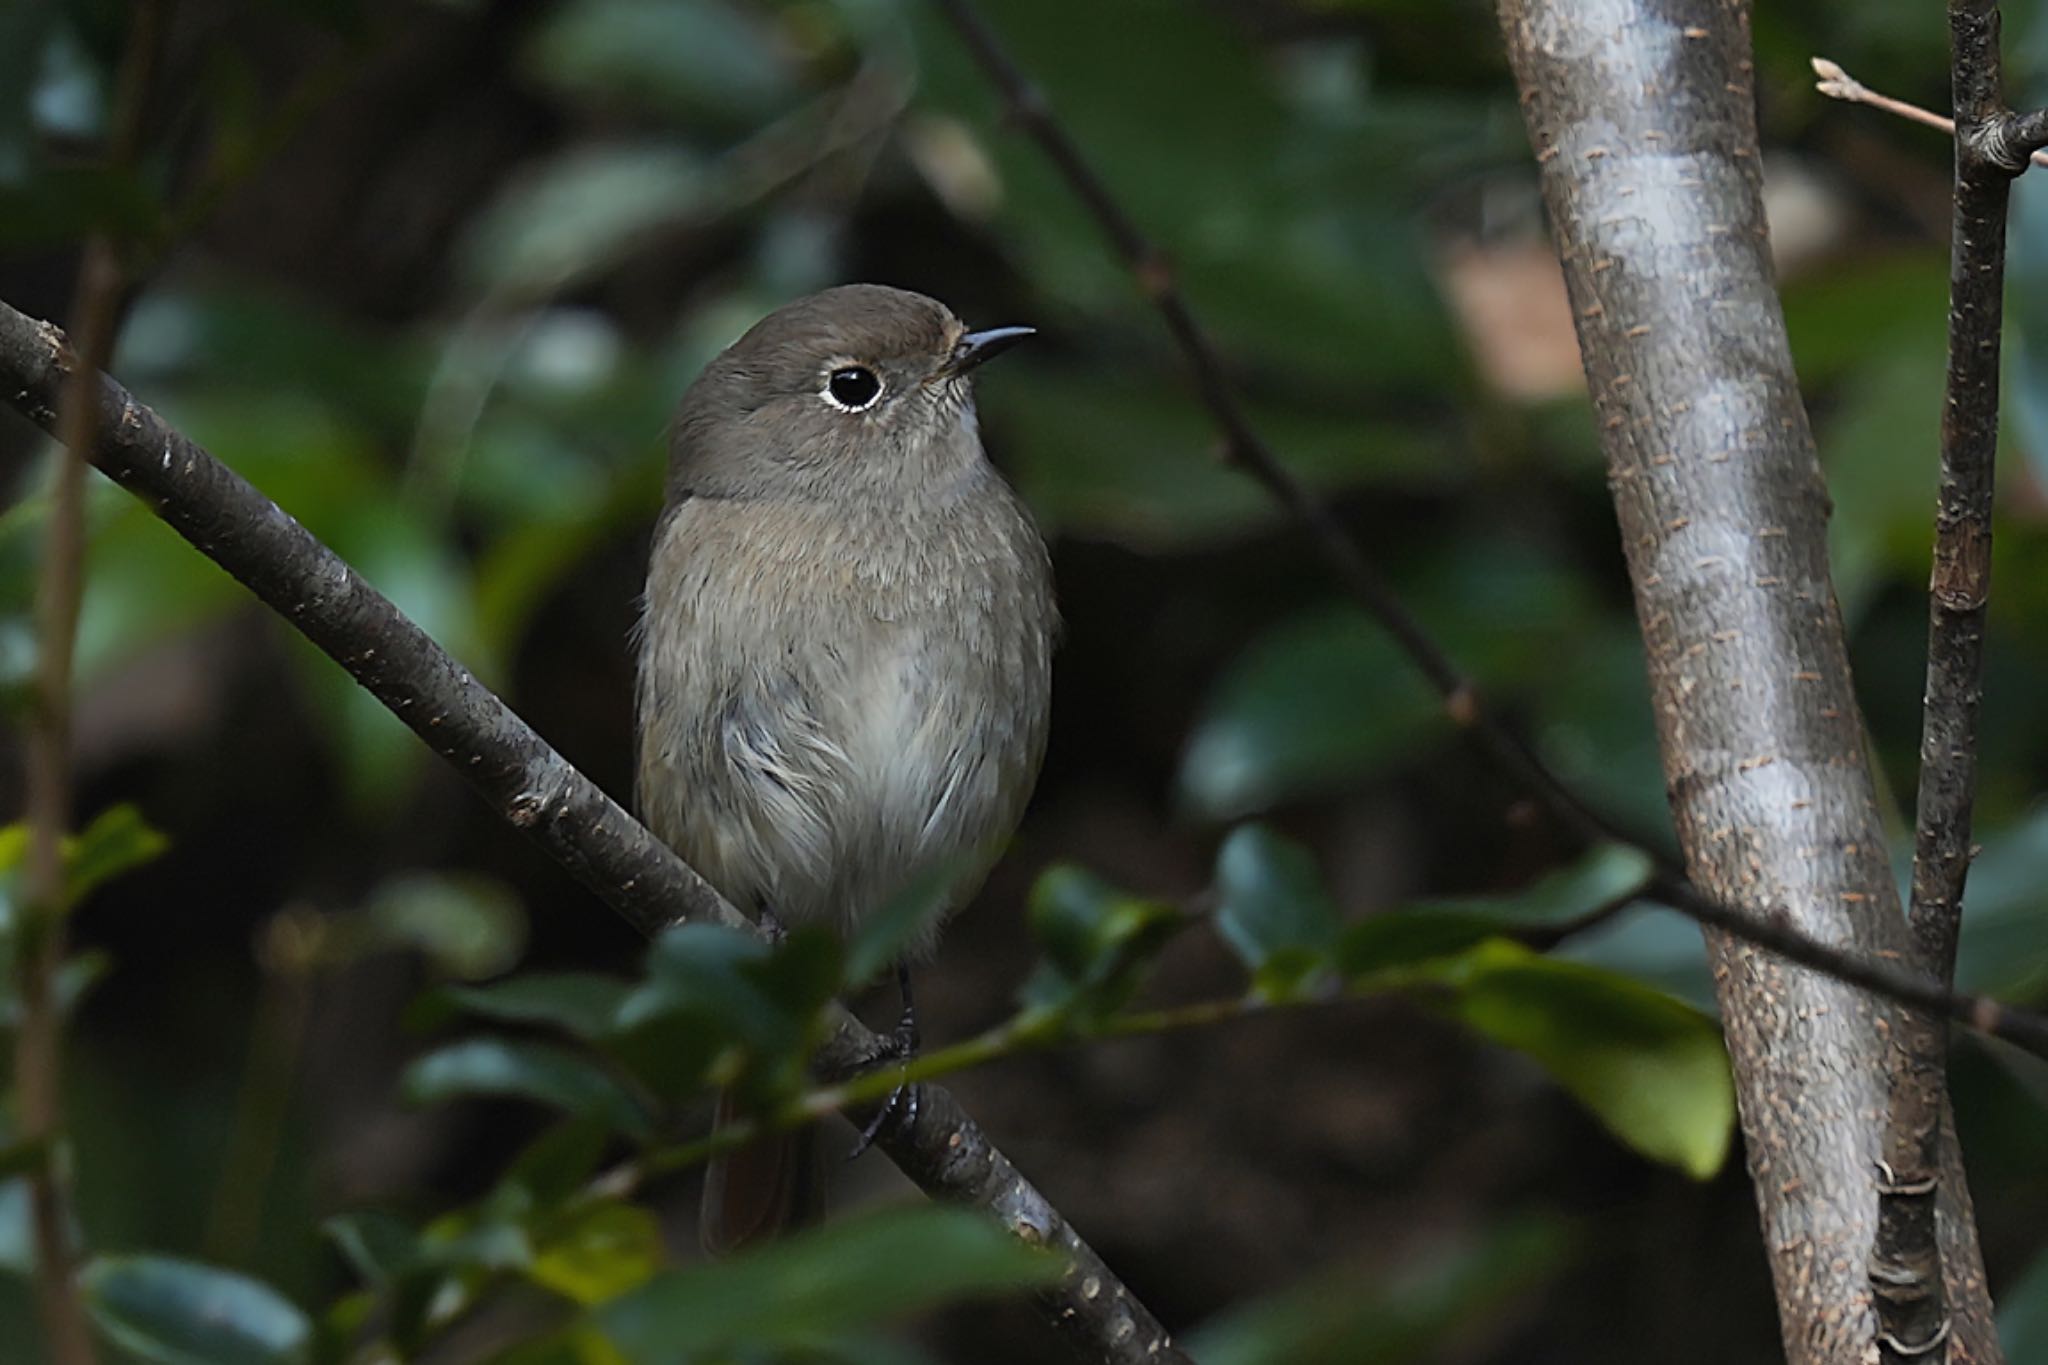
pixel 183 1313
pixel 479 431
pixel 804 1292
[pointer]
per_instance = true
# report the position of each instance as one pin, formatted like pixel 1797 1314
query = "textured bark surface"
pixel 1641 116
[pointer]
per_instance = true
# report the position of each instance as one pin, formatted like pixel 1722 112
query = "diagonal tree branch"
pixel 1028 106
pixel 1657 208
pixel 945 1152
pixel 1246 449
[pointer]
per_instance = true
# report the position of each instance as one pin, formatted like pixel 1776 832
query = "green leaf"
pixel 844 1277
pixel 603 1252
pixel 766 998
pixel 117 840
pixel 466 926
pixel 1326 698
pixel 1595 726
pixel 1163 492
pixel 1097 940
pixel 1355 1316
pixel 17 1229
pixel 183 1313
pixel 2023 1322
pixel 558 1163
pixel 1403 937
pixel 2004 947
pixel 549 1075
pixel 582 1004
pixel 1648 1066
pixel 378 1246
pixel 1272 909
pixel 581 213
pixel 680 60
pixel 1284 244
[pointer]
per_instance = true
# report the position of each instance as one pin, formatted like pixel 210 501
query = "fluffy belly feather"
pixel 819 754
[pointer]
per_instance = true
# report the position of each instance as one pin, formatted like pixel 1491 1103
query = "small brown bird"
pixel 846 653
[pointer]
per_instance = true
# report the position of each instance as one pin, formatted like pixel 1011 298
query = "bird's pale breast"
pixel 835 700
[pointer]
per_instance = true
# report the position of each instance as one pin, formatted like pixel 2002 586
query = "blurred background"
pixel 433 276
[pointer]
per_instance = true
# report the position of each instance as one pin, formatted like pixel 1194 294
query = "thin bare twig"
pixel 1838 84
pixel 1246 449
pixel 39 1038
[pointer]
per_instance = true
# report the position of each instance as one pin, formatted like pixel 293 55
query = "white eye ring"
pixel 852 388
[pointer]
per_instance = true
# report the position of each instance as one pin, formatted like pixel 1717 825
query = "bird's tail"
pixel 758 1191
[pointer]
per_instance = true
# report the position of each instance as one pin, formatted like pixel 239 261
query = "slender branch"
pixel 1838 84
pixel 39 949
pixel 533 787
pixel 1246 449
pixel 1032 112
pixel 1907 1278
pixel 1657 208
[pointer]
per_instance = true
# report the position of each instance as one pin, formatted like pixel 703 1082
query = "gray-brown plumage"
pixel 846 653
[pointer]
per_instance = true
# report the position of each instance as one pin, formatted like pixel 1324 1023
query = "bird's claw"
pixel 902 1044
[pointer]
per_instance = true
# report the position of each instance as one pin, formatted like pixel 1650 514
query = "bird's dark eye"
pixel 854 387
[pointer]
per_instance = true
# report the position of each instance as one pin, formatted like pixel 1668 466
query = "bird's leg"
pixel 772 927
pixel 903 1044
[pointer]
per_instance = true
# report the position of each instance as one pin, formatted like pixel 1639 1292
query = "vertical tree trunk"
pixel 1641 116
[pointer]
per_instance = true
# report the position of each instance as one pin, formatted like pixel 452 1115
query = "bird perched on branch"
pixel 846 654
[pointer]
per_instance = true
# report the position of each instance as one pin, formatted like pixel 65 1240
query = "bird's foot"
pixel 901 1045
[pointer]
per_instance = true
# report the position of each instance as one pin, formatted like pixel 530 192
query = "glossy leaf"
pixel 1650 1067
pixel 1327 698
pixel 2004 947
pixel 183 1313
pixel 1164 491
pixel 684 60
pixel 465 926
pixel 17 1229
pixel 117 840
pixel 1096 940
pixel 534 1071
pixel 767 998
pixel 843 1277
pixel 378 1246
pixel 582 1004
pixel 558 1163
pixel 1402 937
pixel 1273 910
pixel 2023 1319
pixel 603 1252
pixel 581 213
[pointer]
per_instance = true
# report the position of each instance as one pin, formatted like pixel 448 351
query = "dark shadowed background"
pixel 461 260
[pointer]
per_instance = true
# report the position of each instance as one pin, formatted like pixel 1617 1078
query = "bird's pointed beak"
pixel 978 348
